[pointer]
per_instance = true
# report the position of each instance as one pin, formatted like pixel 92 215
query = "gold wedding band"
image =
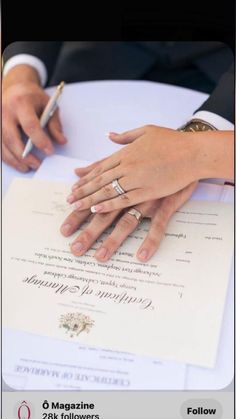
pixel 116 186
pixel 137 214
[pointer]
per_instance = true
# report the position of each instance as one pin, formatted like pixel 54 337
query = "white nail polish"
pixel 70 199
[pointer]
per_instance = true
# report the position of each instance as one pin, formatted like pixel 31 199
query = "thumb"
pixel 127 136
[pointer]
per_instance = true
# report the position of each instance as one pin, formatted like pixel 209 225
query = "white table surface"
pixel 88 111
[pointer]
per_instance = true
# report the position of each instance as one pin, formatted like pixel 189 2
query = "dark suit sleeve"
pixel 221 101
pixel 46 51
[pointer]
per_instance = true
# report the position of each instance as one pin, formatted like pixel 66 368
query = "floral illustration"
pixel 76 323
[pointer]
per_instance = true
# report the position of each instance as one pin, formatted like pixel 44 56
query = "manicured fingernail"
pixel 77 247
pixel 96 208
pixel 78 204
pixel 70 199
pixel 101 253
pixel 65 229
pixel 143 254
pixel 48 150
pixel 111 133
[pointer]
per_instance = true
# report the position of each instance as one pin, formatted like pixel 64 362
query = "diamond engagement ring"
pixel 116 186
pixel 137 214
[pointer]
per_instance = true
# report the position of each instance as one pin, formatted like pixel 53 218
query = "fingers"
pixel 156 232
pixel 30 124
pixel 102 185
pixel 125 200
pixel 9 158
pixel 124 227
pixel 133 196
pixel 159 210
pixel 106 164
pixel 91 233
pixel 126 137
pixel 108 197
pixel 13 142
pixel 55 128
pixel 165 210
pixel 73 222
pixel 22 103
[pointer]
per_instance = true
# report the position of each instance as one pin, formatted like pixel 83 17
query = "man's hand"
pixel 23 101
pixel 159 211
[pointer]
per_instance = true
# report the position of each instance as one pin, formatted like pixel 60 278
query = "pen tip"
pixel 61 85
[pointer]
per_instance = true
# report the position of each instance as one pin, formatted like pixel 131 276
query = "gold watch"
pixel 197 125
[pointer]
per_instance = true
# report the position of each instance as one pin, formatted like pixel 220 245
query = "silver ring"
pixel 137 214
pixel 116 186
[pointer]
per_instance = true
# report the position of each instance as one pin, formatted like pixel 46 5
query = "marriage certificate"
pixel 170 307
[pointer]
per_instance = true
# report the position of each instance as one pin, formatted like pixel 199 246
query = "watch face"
pixel 197 126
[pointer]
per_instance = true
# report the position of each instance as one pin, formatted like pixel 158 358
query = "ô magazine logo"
pixel 23 410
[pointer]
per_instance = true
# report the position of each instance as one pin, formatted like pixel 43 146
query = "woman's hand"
pixel 159 211
pixel 23 100
pixel 158 163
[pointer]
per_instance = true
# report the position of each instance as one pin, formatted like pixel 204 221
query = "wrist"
pixel 214 153
pixel 21 73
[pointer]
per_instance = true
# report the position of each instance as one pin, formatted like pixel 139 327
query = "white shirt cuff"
pixel 216 120
pixel 29 60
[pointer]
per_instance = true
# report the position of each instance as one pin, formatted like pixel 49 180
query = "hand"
pixel 23 101
pixel 158 163
pixel 160 211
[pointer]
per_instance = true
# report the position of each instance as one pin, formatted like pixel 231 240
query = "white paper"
pixel 163 304
pixel 197 378
pixel 59 168
pixel 26 366
pixel 42 363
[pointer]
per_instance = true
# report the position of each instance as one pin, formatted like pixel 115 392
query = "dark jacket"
pixel 183 63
